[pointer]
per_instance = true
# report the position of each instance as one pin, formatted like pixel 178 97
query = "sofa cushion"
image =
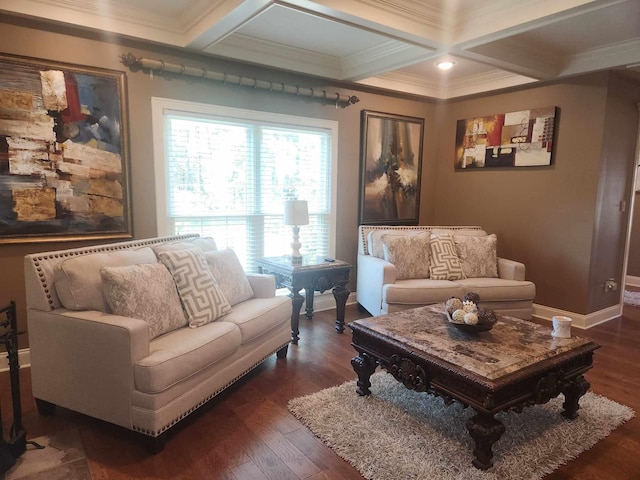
pixel 147 292
pixel 478 255
pixel 445 264
pixel 499 289
pixel 179 354
pixel 374 239
pixel 421 291
pixel 228 272
pixel 78 282
pixel 200 294
pixel 408 253
pixel 257 316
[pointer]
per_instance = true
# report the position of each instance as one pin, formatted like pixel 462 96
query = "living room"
pixel 563 221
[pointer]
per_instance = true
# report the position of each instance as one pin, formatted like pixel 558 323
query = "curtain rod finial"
pixel 130 60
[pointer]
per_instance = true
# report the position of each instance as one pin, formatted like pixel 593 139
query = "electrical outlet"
pixel 610 285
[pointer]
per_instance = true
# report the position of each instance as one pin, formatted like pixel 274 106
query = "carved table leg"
pixel 340 293
pixel 485 431
pixel 296 300
pixel 573 390
pixel 364 365
pixel 309 294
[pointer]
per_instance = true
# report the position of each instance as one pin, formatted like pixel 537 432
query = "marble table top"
pixel 511 345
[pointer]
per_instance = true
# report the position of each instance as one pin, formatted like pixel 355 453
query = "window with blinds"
pixel 227 173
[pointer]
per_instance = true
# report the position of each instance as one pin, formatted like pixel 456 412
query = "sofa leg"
pixel 282 353
pixel 45 408
pixel 156 444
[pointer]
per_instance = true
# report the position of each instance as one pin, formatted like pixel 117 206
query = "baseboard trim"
pixel 322 301
pixel 632 281
pixel 579 320
pixel 325 301
pixel 24 360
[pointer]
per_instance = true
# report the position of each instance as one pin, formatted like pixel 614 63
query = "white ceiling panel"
pixel 390 44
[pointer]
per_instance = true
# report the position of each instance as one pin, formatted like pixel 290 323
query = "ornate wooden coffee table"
pixel 512 366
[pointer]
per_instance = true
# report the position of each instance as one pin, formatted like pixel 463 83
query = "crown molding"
pixel 246 48
pixel 418 85
pixel 609 56
pixel 389 56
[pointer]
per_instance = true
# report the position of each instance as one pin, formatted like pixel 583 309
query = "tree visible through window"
pixel 228 177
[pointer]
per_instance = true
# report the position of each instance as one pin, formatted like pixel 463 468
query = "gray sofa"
pixel 124 370
pixel 381 290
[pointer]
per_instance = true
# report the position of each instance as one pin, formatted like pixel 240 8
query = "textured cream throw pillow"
pixel 200 294
pixel 408 253
pixel 146 292
pixel 228 272
pixel 478 255
pixel 445 264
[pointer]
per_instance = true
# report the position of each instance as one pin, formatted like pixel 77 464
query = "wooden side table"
pixel 313 274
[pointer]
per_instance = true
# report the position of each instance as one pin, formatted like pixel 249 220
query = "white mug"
pixel 561 327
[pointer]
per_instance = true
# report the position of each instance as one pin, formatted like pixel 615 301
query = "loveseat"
pixel 402 267
pixel 142 333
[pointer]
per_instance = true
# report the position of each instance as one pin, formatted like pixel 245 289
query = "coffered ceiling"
pixel 391 44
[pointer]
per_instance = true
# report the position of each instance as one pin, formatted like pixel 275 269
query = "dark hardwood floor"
pixel 247 433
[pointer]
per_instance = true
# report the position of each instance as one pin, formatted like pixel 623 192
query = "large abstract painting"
pixel 63 152
pixel 515 139
pixel 391 157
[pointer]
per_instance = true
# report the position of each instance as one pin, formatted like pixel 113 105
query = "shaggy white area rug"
pixel 396 433
pixel 631 298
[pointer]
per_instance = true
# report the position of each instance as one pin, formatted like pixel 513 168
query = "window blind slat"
pixel 229 178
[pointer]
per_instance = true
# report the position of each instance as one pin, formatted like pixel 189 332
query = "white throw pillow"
pixel 147 292
pixel 445 264
pixel 228 272
pixel 408 253
pixel 201 296
pixel 478 255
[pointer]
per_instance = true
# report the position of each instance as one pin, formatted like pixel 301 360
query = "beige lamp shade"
pixel 296 212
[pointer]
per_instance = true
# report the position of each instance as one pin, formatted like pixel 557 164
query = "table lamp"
pixel 296 213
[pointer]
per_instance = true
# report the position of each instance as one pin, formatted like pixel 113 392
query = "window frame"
pixel 162 106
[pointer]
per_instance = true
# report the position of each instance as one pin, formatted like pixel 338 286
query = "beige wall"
pixel 547 217
pixel 21 40
pixel 544 217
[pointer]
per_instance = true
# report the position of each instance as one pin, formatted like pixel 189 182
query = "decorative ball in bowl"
pixel 466 315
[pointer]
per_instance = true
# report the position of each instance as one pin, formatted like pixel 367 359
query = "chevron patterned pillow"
pixel 200 294
pixel 445 264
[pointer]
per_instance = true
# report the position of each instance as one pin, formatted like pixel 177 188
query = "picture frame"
pixel 390 168
pixel 64 152
pixel 525 138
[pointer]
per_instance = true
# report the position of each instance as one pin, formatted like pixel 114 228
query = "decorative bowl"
pixel 479 327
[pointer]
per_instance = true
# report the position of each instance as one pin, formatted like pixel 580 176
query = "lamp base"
pixel 296 257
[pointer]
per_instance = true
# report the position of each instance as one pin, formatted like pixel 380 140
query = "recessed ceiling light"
pixel 445 64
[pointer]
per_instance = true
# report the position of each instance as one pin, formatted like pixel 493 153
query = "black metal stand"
pixel 17 444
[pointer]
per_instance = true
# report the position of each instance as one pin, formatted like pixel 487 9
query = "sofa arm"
pixel 510 269
pixel 373 274
pixel 83 360
pixel 262 284
pixel 374 267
